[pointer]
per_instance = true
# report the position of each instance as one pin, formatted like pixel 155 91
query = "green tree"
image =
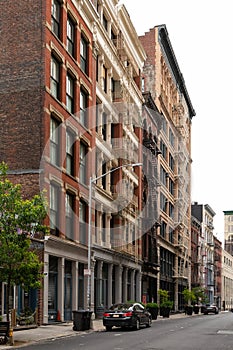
pixel 20 219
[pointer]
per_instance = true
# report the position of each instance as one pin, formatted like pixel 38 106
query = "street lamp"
pixel 91 181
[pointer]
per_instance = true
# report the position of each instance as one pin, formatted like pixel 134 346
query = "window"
pixel 69 205
pixel 56 17
pixel 70 36
pixel 104 180
pixel 70 139
pixel 104 126
pixel 54 209
pixel 54 141
pixel 82 222
pixel 163 202
pixel 83 107
pixel 143 84
pixel 84 54
pixel 105 75
pixel 171 162
pixel 171 138
pixel 163 148
pixel 103 227
pixel 70 93
pixel 163 229
pixel 83 163
pixel 105 22
pixel 55 78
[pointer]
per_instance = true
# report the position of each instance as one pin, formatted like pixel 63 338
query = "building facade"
pixel 163 78
pixel 227 281
pixel 82 100
pixel 196 256
pixel 205 214
pixel 228 231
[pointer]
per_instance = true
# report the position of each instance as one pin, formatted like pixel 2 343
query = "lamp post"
pixel 91 181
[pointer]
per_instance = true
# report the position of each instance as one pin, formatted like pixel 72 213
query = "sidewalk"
pixel 51 331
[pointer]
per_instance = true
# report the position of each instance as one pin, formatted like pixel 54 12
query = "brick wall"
pixel 21 83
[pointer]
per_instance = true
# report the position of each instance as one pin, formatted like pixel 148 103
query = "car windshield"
pixel 121 307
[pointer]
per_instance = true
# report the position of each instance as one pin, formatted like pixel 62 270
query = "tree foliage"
pixel 20 220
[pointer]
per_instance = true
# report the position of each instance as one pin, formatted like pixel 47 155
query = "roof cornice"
pixel 165 41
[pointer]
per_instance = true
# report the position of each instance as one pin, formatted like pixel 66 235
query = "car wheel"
pixel 137 327
pixel 149 323
pixel 108 328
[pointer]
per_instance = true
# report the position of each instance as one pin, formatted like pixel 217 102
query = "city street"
pixel 209 332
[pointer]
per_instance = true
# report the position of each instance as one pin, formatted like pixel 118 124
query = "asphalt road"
pixel 209 332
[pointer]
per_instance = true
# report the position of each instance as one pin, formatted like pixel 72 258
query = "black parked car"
pixel 210 308
pixel 126 315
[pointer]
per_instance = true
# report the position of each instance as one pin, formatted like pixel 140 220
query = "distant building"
pixel 227 281
pixel 205 214
pixel 228 231
pixel 218 251
pixel 162 77
pixel 196 257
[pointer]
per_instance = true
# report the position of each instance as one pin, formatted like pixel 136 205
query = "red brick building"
pixel 47 81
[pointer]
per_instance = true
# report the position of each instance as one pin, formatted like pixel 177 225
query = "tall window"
pixel 84 54
pixel 55 77
pixel 104 126
pixel 105 22
pixel 54 209
pixel 69 215
pixel 70 36
pixel 105 85
pixel 56 17
pixel 83 107
pixel 54 141
pixel 70 139
pixel 83 163
pixel 70 93
pixel 82 222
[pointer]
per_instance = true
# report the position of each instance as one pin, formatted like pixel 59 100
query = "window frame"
pixel 70 32
pixel 54 141
pixel 56 18
pixel 69 214
pixel 70 152
pixel 55 77
pixel 54 208
pixel 83 107
pixel 83 162
pixel 83 222
pixel 70 92
pixel 84 54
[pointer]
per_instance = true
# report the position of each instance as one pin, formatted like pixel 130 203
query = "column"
pixel 46 288
pixel 125 284
pixel 138 279
pixel 118 286
pixel 110 268
pixel 75 285
pixel 61 294
pixel 132 290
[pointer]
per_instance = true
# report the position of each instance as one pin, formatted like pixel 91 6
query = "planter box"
pixel 154 312
pixel 165 311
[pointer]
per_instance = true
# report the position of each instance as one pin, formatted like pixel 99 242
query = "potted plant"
pixel 189 298
pixel 153 308
pixel 201 298
pixel 165 304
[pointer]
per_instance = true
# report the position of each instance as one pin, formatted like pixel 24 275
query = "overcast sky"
pixel 201 36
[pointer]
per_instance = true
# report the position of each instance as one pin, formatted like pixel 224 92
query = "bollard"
pixel 11 336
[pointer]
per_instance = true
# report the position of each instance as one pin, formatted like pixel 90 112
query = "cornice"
pixel 166 44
